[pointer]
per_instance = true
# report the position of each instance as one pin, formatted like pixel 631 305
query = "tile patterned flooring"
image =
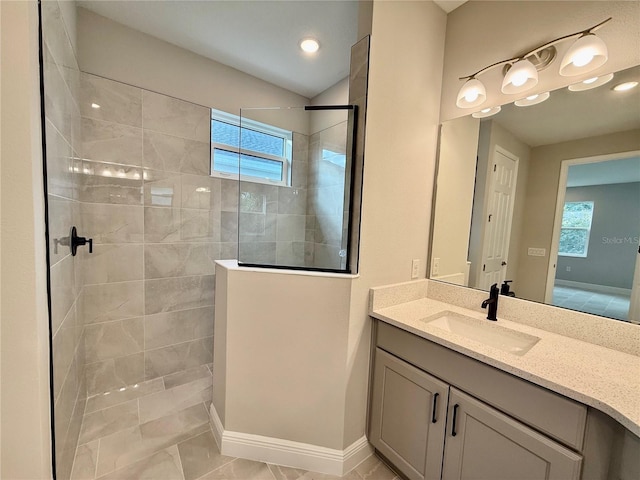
pixel 605 304
pixel 159 430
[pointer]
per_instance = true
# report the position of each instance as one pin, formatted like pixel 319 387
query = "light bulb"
pixel 519 79
pixel 586 54
pixel 625 86
pixel 590 83
pixel 582 58
pixel 532 100
pixel 309 45
pixel 486 112
pixel 471 96
pixel 521 76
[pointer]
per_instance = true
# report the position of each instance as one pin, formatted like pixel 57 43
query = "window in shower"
pixel 304 222
pixel 249 150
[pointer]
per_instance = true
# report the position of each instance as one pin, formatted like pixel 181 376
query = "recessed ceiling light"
pixel 95 105
pixel 590 83
pixel 486 112
pixel 625 86
pixel 309 45
pixel 532 100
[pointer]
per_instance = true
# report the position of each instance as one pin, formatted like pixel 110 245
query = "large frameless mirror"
pixel 547 198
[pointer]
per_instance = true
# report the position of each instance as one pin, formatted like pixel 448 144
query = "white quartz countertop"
pixel 605 379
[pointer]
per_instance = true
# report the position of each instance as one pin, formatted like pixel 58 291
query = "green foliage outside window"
pixel 575 230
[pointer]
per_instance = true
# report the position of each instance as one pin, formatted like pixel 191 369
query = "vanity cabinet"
pixel 483 443
pixel 408 412
pixel 436 414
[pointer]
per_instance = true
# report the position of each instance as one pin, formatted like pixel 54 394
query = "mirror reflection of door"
pixel 595 239
pixel 498 220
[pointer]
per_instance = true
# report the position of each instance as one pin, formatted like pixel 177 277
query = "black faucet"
pixel 505 289
pixel 492 302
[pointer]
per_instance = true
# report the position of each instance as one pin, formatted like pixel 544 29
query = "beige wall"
pixel 455 185
pixel 24 415
pixel 297 344
pixel 337 94
pixel 400 147
pixel 480 33
pixel 540 202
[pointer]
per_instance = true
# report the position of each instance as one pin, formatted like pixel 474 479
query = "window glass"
pixel 336 158
pixel 227 162
pixel 575 230
pixel 263 156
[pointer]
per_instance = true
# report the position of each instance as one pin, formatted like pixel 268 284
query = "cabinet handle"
pixel 435 408
pixel 453 423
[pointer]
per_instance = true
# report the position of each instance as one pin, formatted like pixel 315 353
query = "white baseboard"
pixel 592 287
pixel 216 425
pixel 285 452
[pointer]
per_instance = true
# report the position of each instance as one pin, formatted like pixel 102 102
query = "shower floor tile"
pixel 159 430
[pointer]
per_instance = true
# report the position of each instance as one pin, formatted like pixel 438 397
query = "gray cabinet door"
pixel 484 444
pixel 408 414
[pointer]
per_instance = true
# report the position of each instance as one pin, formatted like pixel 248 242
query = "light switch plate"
pixel 536 252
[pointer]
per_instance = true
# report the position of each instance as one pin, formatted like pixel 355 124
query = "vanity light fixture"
pixel 532 100
pixel 623 87
pixel 521 73
pixel 590 83
pixel 309 45
pixel 486 112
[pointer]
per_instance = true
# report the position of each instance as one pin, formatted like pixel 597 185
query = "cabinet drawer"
pixel 548 412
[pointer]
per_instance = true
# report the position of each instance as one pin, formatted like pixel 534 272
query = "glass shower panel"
pixel 295 169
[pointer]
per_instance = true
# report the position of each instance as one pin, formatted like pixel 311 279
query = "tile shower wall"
pixel 62 134
pixel 326 221
pixel 155 216
pixel 272 219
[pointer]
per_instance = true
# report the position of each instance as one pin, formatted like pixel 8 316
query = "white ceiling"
pixel 572 115
pixel 449 5
pixel 604 173
pixel 257 37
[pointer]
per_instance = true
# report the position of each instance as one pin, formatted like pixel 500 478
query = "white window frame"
pixel 588 230
pixel 286 135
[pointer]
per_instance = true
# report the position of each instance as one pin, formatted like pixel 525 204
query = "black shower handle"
pixel 77 241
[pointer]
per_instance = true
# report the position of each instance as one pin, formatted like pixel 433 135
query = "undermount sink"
pixel 484 331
